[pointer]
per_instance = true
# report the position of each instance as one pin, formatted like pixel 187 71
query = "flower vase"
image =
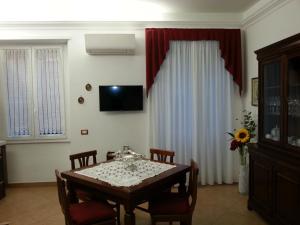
pixel 244 179
pixel 244 171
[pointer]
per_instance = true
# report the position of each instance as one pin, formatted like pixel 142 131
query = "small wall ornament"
pixel 88 87
pixel 80 100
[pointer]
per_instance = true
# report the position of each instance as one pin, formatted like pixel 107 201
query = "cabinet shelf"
pixel 294 115
pixel 272 114
pixel 294 85
pixel 272 87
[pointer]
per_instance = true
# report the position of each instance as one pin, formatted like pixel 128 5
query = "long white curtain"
pixel 48 81
pixel 191 109
pixel 15 64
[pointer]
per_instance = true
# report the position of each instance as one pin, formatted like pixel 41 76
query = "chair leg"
pixel 187 221
pixel 118 214
pixel 66 221
pixel 153 222
pixel 190 220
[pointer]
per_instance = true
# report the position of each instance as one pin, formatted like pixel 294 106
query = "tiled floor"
pixel 216 205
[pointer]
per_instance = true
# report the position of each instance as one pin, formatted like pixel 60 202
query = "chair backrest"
pixel 193 184
pixel 162 155
pixel 62 195
pixel 83 158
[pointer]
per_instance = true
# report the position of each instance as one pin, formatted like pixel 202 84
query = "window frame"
pixel 35 137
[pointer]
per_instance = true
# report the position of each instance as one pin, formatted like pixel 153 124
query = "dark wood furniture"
pixel 173 207
pixel 275 160
pixel 83 213
pixel 161 155
pixel 3 171
pixel 83 158
pixel 132 196
pixel 110 155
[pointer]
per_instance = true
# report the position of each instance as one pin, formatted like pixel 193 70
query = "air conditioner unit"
pixel 110 44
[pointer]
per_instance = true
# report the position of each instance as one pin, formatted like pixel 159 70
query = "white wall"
pixel 107 131
pixel 279 24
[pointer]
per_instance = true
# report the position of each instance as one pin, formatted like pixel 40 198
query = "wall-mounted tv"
pixel 121 97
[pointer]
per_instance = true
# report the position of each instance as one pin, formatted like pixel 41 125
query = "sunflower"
pixel 242 135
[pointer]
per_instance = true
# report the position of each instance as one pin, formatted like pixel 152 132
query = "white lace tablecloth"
pixel 117 173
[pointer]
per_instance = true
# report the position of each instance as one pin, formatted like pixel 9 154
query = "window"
pixel 33 92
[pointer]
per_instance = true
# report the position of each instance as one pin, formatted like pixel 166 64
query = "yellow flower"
pixel 242 135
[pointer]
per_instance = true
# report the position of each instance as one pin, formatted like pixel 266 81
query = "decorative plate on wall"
pixel 80 100
pixel 88 87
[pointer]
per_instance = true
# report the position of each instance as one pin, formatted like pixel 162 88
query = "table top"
pixel 2 142
pixel 147 185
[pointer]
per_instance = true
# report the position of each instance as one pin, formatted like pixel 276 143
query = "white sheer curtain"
pixel 15 64
pixel 191 109
pixel 48 69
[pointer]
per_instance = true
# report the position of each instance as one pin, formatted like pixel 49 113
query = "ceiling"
pixel 202 6
pixel 119 10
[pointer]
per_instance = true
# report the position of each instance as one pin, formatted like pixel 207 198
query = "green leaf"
pixel 231 134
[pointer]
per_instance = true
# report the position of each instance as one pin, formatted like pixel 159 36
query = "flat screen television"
pixel 121 97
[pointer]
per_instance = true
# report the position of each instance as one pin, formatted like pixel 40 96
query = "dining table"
pixel 130 196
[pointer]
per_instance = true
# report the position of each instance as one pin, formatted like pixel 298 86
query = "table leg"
pixel 182 187
pixel 129 217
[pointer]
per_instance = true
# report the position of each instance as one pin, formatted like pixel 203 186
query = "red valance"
pixel 158 41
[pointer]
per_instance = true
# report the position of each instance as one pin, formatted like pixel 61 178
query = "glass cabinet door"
pixel 294 101
pixel 272 104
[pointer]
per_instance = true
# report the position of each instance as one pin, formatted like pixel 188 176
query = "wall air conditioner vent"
pixel 110 44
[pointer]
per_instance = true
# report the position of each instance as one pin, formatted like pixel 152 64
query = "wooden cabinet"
pixel 274 189
pixel 286 195
pixel 261 176
pixel 3 170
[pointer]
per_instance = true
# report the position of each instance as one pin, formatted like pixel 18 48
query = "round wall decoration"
pixel 88 87
pixel 80 100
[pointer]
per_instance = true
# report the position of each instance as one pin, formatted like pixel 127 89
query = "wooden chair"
pixel 162 155
pixel 110 155
pixel 83 213
pixel 83 159
pixel 175 206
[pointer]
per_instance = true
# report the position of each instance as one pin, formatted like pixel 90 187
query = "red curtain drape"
pixel 158 41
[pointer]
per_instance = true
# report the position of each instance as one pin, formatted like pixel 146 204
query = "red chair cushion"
pixel 90 212
pixel 171 203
